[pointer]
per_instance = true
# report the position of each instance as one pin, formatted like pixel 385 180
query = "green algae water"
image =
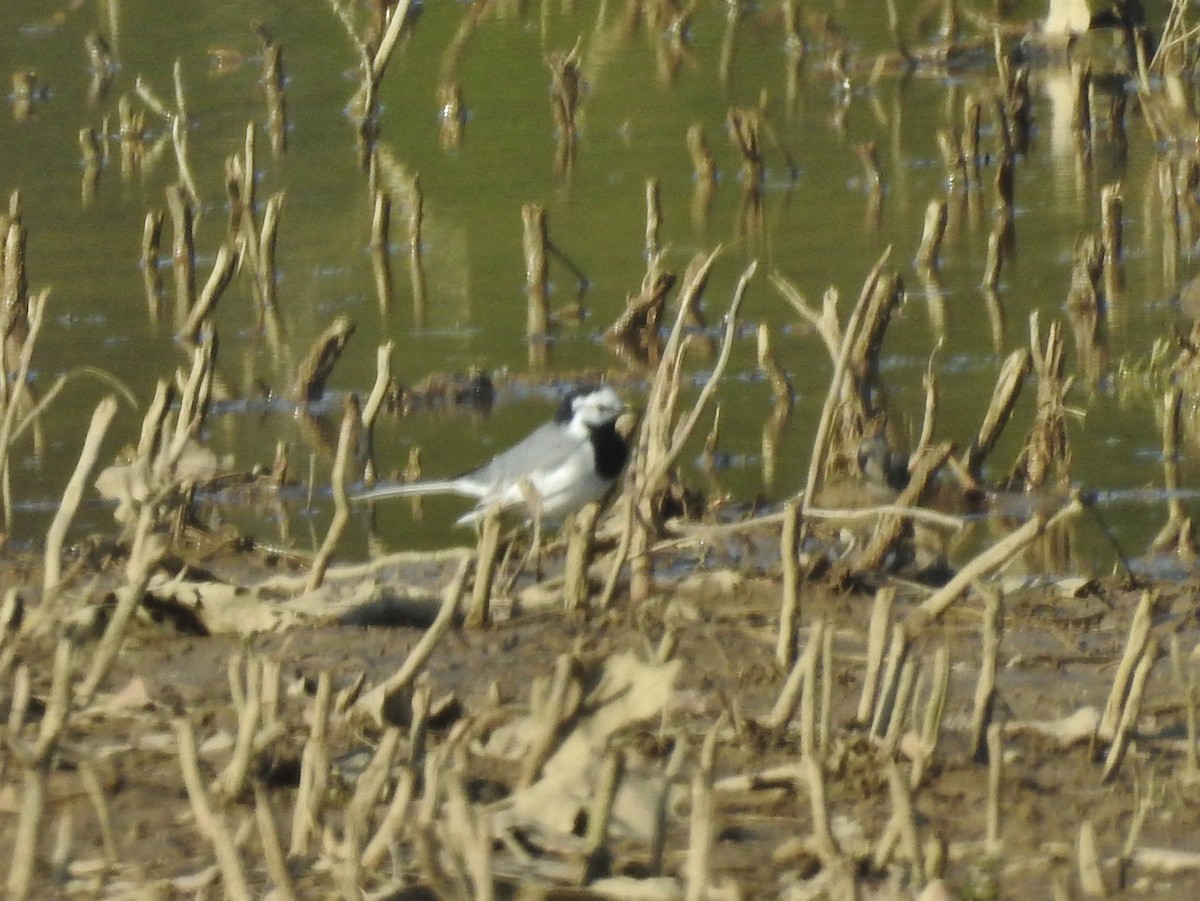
pixel 816 222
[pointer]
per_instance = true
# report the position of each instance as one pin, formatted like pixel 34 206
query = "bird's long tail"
pixel 416 489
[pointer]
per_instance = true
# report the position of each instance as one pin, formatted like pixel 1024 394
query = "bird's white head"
pixel 591 408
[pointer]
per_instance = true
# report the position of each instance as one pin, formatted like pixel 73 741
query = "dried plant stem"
pixel 658 446
pixel 232 780
pixel 144 553
pixel 1135 647
pixel 183 252
pixel 151 277
pixel 708 532
pixel 701 830
pixel 789 616
pixel 95 793
pixel 35 761
pixel 995 745
pixel 1087 856
pixel 537 324
pixel 934 707
pixel 393 819
pixel 73 495
pixel 1176 534
pixel 703 168
pixel 579 557
pixel 267 241
pixel 937 604
pixel 628 514
pixel 223 269
pixel 486 563
pixel 931 236
pixel 903 816
pixel 1133 703
pixel 825 716
pixel 889 530
pixel 374 402
pixel 367 791
pixel 808 690
pixel 469 831
pixel 12 613
pixel 790 695
pixel 315 369
pixel 16 393
pixel 1004 396
pixel 268 836
pixel 1111 232
pixel 387 43
pixel 662 808
pixel 373 703
pixel 208 822
pixel 886 706
pixel 877 632
pixel 985 687
pixel 814 778
pixel 314 771
pixel 418 730
pixel 653 217
pixel 1187 687
pixel 193 404
pixel 600 813
pixel 850 338
pixel 995 256
pixel 550 712
pixel 895 717
pixel 341 504
pixel 1138 822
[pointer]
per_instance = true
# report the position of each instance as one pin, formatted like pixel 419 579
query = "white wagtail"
pixel 564 464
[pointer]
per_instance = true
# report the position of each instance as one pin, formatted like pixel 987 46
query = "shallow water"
pixel 816 229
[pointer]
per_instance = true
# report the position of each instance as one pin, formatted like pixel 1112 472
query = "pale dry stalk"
pixel 701 828
pixel 343 459
pixel 551 712
pixel 35 760
pixel 314 771
pixel 210 823
pixel 600 814
pixel 1133 702
pixel 487 562
pixel 985 686
pixel 808 691
pixel 15 394
pixel 273 854
pixel 231 782
pixel 931 724
pixel 373 704
pixel 789 616
pixel 579 557
pixel 885 704
pixel 73 496
pixel 877 632
pixel 903 815
pixel 367 791
pixel 391 825
pixel 905 686
pixel 1135 646
pixel 995 746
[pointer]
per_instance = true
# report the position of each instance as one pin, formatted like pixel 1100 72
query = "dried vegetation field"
pixel 663 699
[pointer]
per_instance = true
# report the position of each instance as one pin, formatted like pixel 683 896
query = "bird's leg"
pixel 533 500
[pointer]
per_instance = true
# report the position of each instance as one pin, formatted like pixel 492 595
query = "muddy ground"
pixel 1059 651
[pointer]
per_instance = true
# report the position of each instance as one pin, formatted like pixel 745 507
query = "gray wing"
pixel 544 448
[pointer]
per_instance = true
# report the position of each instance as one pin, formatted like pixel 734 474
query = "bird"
pixel 557 469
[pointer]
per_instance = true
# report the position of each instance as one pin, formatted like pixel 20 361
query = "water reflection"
pixel 793 140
